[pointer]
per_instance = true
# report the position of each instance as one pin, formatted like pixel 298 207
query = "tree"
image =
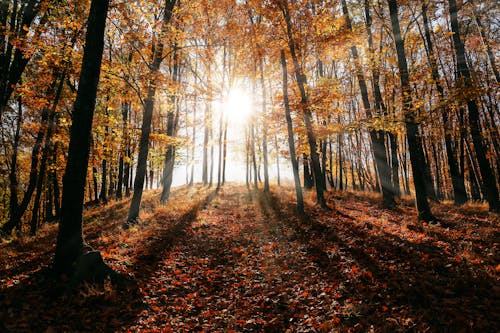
pixel 490 188
pixel 377 138
pixel 70 244
pixel 291 143
pixel 412 128
pixel 301 83
pixel 133 213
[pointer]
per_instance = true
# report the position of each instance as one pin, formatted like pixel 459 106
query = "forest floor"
pixel 241 261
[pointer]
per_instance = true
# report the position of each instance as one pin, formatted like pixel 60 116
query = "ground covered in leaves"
pixel 241 261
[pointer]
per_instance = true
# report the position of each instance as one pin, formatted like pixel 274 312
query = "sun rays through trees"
pixel 105 102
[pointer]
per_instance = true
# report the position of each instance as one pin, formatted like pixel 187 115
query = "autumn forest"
pixel 249 166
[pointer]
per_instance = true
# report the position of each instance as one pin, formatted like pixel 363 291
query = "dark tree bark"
pixel 51 123
pixel 301 83
pixel 308 176
pixel 264 128
pixel 457 178
pixel 291 143
pixel 140 175
pixel 70 244
pixel 14 59
pixel 464 76
pixel 412 128
pixel 377 138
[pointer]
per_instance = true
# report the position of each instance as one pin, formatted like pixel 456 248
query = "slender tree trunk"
pixel 140 174
pixel 205 148
pixel 123 151
pixel 340 168
pixel 264 128
pixel 254 157
pixel 277 158
pixel 13 183
pixel 291 143
pixel 464 75
pixel 211 134
pixel 412 128
pixel 393 140
pixel 301 83
pixel 193 149
pixel 224 156
pixel 377 138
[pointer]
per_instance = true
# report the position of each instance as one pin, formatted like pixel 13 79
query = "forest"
pixel 249 166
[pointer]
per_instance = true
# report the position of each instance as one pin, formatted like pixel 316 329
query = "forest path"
pixel 235 268
pixel 241 261
pixel 245 262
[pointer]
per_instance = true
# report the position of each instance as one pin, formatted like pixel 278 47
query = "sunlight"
pixel 237 106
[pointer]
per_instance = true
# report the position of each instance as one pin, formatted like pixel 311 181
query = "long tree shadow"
pixel 177 230
pixel 32 302
pixel 417 279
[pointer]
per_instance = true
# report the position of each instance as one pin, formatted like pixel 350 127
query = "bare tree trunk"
pixel 277 158
pixel 464 75
pixel 412 128
pixel 301 82
pixel 291 143
pixel 140 175
pixel 205 147
pixel 70 244
pixel 377 138
pixel 264 128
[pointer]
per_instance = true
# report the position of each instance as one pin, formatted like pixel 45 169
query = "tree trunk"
pixel 301 82
pixel 487 175
pixel 412 130
pixel 140 174
pixel 277 158
pixel 264 128
pixel 70 244
pixel 291 143
pixel 205 147
pixel 377 138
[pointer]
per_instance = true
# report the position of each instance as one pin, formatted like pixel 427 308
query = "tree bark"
pixel 464 75
pixel 291 143
pixel 301 82
pixel 412 128
pixel 70 244
pixel 140 175
pixel 377 137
